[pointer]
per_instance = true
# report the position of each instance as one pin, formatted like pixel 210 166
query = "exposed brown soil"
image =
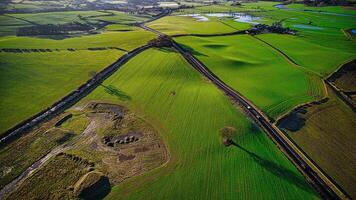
pixel 123 144
pixel 116 144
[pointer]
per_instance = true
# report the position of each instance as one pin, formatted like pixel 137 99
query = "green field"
pixel 312 47
pixel 327 137
pixel 257 71
pixel 174 25
pixel 332 9
pixel 322 59
pixel 126 40
pixel 34 81
pixel 120 17
pixel 226 7
pixel 189 119
pixel 48 76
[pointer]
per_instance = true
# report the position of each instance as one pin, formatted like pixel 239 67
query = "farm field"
pixel 34 81
pixel 321 59
pixel 126 40
pixel 174 25
pixel 257 75
pixel 162 126
pixel 332 9
pixel 165 90
pixel 57 67
pixel 324 132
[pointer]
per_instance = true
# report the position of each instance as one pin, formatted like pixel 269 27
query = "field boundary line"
pixel 286 57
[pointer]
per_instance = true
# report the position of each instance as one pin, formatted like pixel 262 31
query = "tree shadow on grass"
pixel 278 170
pixel 113 91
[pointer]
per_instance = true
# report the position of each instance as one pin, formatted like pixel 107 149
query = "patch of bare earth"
pixel 122 144
pixel 117 143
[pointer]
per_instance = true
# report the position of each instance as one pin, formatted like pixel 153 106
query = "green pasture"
pixel 31 82
pixel 257 71
pixel 9 25
pixel 11 22
pixel 227 7
pixel 322 57
pixel 126 40
pixel 56 17
pixel 332 9
pixel 173 25
pixel 120 17
pixel 189 112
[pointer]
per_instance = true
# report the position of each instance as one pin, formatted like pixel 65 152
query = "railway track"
pixel 326 187
pixel 322 183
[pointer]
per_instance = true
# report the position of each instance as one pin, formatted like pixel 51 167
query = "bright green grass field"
pixel 321 57
pixel 200 167
pixel 126 40
pixel 257 71
pixel 320 46
pixel 173 25
pixel 30 82
pixel 8 25
pixel 245 7
pixel 56 17
pixel 121 17
pixel 333 9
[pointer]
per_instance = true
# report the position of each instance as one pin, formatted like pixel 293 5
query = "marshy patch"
pixel 296 119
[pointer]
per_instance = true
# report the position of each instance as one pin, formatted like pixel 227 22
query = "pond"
pixel 198 17
pixel 239 17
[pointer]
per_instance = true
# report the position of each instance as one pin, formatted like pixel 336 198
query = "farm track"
pixel 38 164
pixel 326 187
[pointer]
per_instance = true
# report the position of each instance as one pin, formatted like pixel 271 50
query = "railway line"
pixel 320 181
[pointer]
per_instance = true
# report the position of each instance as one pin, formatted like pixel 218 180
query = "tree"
pixel 227 134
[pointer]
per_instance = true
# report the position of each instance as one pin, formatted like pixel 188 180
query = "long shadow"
pixel 192 51
pixel 97 191
pixel 278 170
pixel 112 90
